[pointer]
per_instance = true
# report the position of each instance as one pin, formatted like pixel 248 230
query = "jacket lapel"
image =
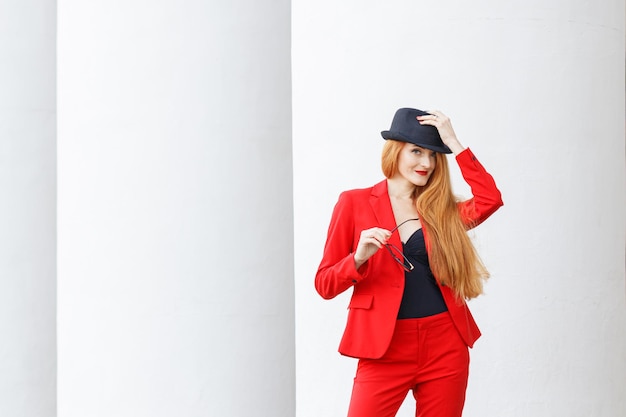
pixel 381 206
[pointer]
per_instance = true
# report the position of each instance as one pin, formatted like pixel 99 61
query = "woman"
pixel 402 246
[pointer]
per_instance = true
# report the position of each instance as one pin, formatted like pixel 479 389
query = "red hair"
pixel 452 257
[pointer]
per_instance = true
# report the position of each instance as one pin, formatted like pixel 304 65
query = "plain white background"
pixel 175 215
pixel 535 88
pixel 27 208
pixel 175 208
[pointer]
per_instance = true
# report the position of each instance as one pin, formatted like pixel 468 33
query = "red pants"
pixel 426 355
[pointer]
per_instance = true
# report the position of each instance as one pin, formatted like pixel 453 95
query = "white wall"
pixel 536 89
pixel 27 209
pixel 175 209
pixel 175 197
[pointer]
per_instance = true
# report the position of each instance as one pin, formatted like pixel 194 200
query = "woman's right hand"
pixel 370 241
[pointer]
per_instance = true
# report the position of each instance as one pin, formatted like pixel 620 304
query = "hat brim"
pixel 388 134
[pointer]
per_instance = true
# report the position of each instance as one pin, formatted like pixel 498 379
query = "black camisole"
pixel 422 296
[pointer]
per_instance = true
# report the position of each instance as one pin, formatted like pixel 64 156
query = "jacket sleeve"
pixel 486 197
pixel 337 271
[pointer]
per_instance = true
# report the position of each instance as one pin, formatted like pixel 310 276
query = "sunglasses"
pixel 397 254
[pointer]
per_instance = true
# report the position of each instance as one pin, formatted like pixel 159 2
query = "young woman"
pixel 402 245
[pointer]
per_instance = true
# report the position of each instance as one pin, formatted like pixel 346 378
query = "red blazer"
pixel 379 283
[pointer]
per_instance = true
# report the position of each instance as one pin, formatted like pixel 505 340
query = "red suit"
pixel 378 285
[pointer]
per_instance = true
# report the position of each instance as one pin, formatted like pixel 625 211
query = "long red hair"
pixel 452 257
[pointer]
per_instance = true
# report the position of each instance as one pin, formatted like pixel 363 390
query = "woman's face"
pixel 416 164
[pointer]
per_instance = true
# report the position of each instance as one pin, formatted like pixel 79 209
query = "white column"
pixel 27 209
pixel 175 209
pixel 536 89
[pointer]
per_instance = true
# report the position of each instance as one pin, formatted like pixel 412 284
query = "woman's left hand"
pixel 444 126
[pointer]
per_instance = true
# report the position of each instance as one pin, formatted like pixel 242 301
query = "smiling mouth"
pixel 423 173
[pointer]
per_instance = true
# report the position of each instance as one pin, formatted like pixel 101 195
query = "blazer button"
pixel 354 281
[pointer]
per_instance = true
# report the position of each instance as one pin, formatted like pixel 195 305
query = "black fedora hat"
pixel 406 128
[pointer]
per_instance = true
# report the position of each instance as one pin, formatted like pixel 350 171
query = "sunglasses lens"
pixel 399 257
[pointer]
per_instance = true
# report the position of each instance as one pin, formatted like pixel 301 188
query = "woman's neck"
pixel 400 189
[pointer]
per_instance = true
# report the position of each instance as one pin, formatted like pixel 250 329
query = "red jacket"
pixel 379 283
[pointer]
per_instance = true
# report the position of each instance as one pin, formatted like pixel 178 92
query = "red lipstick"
pixel 423 173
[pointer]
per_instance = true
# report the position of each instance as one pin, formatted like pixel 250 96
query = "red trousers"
pixel 426 355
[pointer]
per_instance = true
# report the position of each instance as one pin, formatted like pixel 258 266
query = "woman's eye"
pixel 417 151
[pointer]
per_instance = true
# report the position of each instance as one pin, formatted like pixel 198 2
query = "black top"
pixel 422 296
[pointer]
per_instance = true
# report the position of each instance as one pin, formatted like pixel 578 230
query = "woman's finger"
pixel 376 236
